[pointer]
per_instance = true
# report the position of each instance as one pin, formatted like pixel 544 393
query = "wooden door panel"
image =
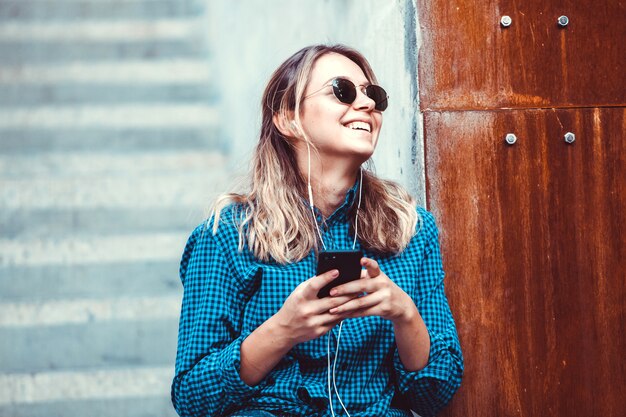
pixel 469 61
pixel 533 242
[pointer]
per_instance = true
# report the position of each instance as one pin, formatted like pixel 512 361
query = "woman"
pixel 254 337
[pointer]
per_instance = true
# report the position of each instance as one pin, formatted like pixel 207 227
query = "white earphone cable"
pixel 330 398
pixel 358 208
pixel 311 205
pixel 319 233
pixel 334 366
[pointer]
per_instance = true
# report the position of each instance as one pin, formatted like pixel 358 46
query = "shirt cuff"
pixel 230 364
pixel 438 366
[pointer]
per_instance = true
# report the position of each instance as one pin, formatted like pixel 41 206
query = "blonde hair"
pixel 273 218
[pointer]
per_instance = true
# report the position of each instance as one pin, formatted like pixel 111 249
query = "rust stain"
pixel 564 65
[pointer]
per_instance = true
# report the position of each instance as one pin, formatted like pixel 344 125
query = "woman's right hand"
pixel 303 316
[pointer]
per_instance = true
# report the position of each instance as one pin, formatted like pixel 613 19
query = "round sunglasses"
pixel 345 91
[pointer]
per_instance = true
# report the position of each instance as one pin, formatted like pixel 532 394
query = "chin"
pixel 364 154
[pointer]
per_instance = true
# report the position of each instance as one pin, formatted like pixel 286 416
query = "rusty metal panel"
pixel 533 238
pixel 468 60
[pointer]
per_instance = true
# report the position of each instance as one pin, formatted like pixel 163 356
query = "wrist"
pixel 408 316
pixel 279 333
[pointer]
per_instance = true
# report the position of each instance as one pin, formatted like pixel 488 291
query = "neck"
pixel 329 191
pixel 330 183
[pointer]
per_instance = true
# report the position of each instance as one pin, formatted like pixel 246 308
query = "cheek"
pixel 315 116
pixel 377 135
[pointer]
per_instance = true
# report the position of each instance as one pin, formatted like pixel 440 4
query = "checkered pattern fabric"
pixel 228 293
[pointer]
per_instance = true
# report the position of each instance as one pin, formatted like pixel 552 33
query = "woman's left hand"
pixel 382 296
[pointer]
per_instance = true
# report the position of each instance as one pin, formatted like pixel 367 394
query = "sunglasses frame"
pixel 380 105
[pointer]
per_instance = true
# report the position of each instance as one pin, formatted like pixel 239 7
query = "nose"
pixel 362 101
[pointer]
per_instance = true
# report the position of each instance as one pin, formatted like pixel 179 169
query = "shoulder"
pixel 219 230
pixel 212 230
pixel 216 242
pixel 426 223
pixel 226 221
pixel 426 231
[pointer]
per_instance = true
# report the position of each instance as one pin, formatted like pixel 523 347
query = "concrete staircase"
pixel 109 156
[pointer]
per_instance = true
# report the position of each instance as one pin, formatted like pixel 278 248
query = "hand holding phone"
pixel 347 262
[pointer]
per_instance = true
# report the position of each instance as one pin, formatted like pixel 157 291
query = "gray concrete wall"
pixel 251 38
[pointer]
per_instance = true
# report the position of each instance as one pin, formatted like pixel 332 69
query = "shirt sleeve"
pixel 431 388
pixel 207 381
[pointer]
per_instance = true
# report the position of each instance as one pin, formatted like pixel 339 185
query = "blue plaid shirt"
pixel 228 294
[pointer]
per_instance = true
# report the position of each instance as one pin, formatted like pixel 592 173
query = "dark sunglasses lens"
pixel 344 90
pixel 379 95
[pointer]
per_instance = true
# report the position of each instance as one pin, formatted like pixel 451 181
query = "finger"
pixel 355 287
pixel 360 303
pixel 315 284
pixel 328 321
pixel 373 270
pixel 325 304
pixel 372 311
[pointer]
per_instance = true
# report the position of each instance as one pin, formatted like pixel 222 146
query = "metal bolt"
pixel 570 137
pixel 506 21
pixel 563 21
pixel 510 138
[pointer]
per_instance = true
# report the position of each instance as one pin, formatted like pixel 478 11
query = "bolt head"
pixel 563 21
pixel 570 137
pixel 510 138
pixel 506 21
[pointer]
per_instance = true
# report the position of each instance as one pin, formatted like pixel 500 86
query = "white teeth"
pixel 359 125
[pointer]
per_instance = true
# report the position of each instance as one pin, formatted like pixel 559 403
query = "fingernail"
pixel 333 292
pixel 335 273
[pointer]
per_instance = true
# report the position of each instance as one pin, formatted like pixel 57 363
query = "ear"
pixel 287 126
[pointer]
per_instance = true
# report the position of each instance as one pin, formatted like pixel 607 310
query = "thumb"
pixel 373 270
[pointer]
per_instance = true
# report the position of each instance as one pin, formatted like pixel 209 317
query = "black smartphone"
pixel 347 262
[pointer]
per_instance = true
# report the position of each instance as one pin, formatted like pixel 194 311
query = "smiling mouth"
pixel 359 126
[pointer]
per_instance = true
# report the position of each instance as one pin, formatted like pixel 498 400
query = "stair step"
pixel 105 344
pixel 154 71
pixel 43 283
pixel 29 388
pixel 18 52
pixel 156 406
pixel 161 115
pixel 102 30
pixel 33 139
pixel 94 249
pixel 98 9
pixel 64 94
pixel 84 311
pixel 40 223
pixel 110 164
pixel 180 190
